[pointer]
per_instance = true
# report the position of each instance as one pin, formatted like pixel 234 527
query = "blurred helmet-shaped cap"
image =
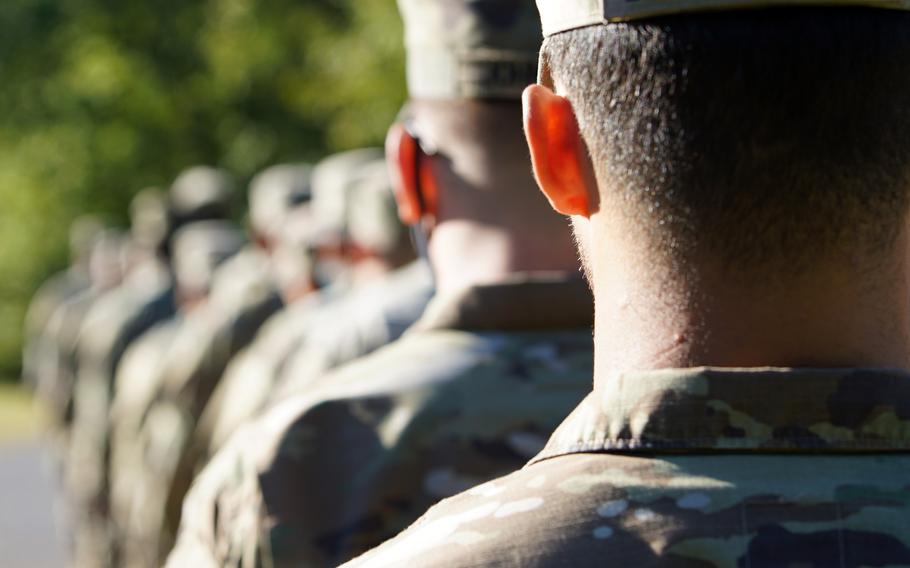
pixel 200 247
pixel 84 231
pixel 149 223
pixel 373 221
pixel 274 192
pixel 474 49
pixel 333 182
pixel 201 192
pixel 562 15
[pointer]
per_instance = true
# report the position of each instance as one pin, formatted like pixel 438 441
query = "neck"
pixel 831 316
pixel 467 253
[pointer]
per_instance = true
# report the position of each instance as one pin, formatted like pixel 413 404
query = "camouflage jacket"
pixel 697 467
pixel 470 392
pixel 308 339
pixel 243 296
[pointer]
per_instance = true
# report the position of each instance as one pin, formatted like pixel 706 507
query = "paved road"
pixel 29 535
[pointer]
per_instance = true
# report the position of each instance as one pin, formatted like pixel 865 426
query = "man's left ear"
pixel 559 156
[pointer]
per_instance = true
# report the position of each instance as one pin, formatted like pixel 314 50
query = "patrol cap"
pixel 200 247
pixel 292 262
pixel 474 49
pixel 149 222
pixel 333 180
pixel 84 231
pixel 562 15
pixel 201 192
pixel 373 221
pixel 274 192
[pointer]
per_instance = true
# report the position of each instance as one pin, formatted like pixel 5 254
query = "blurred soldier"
pixel 56 356
pixel 308 339
pixel 57 289
pixel 246 292
pixel 273 194
pixel 471 391
pixel 738 183
pixel 150 428
pixel 145 298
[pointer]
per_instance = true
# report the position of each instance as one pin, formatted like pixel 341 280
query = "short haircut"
pixel 766 138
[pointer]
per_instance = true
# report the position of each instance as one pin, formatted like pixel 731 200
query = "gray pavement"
pixel 30 531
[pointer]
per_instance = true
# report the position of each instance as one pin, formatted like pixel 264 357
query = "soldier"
pixel 56 290
pixel 145 298
pixel 158 414
pixel 738 184
pixel 381 299
pixel 56 355
pixel 152 422
pixel 502 352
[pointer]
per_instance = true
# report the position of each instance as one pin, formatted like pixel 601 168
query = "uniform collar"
pixel 528 301
pixel 717 410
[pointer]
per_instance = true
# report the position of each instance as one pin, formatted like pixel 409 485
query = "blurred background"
pixel 101 98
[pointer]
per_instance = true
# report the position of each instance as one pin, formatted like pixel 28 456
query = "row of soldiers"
pixel 736 175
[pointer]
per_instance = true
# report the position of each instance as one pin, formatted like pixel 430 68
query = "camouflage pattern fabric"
pixel 370 317
pixel 113 323
pixel 561 15
pixel 57 361
pixel 300 345
pixel 696 467
pixel 45 303
pixel 243 296
pixel 471 391
pixel 138 380
pixel 483 49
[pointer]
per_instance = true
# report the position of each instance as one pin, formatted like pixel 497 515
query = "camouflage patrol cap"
pixel 84 231
pixel 333 180
pixel 200 247
pixel 562 15
pixel 201 192
pixel 476 49
pixel 274 192
pixel 373 221
pixel 149 223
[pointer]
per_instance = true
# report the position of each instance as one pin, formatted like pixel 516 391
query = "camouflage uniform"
pixel 310 338
pixel 55 291
pixel 56 353
pixel 471 391
pixel 336 324
pixel 242 297
pixel 115 321
pixel 692 467
pixel 695 467
pixel 146 297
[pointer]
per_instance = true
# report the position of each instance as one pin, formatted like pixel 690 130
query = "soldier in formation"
pixel 393 364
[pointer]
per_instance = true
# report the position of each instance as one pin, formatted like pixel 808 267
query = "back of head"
pixel 468 63
pixel 106 261
pixel 199 249
pixel 373 223
pixel 332 183
pixel 761 139
pixel 84 231
pixel 274 192
pixel 200 193
pixel 149 219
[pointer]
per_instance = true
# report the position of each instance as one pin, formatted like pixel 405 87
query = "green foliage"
pixel 104 97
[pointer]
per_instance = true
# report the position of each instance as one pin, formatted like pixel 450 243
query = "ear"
pixel 559 156
pixel 401 157
pixel 415 191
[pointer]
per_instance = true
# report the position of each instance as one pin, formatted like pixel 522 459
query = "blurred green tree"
pixel 101 98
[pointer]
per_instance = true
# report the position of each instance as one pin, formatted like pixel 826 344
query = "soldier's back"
pixel 695 468
pixel 469 393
